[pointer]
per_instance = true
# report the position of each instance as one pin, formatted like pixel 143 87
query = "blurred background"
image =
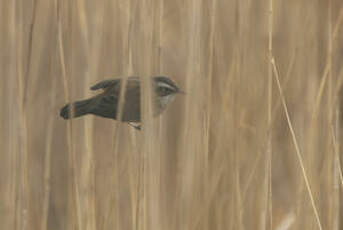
pixel 254 144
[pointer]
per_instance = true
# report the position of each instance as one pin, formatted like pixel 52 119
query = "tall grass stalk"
pixel 75 195
pixel 47 163
pixel 269 174
pixel 23 188
pixel 300 159
pixel 219 157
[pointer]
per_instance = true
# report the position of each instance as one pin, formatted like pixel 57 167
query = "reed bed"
pixel 254 144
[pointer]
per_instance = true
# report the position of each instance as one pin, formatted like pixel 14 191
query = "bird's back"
pixel 106 104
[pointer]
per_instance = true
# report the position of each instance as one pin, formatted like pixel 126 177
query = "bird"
pixel 106 103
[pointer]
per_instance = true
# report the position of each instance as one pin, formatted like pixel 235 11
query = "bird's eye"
pixel 164 90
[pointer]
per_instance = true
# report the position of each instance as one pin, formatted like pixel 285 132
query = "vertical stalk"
pixel 12 123
pixel 66 85
pixel 23 195
pixel 207 124
pixel 47 161
pixel 296 145
pixel 237 196
pixel 333 172
pixel 269 120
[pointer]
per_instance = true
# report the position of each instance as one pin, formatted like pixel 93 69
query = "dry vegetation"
pixel 255 143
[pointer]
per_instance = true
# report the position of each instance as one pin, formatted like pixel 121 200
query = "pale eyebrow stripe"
pixel 162 84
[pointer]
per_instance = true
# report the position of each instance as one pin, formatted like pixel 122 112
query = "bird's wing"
pixel 110 83
pixel 105 84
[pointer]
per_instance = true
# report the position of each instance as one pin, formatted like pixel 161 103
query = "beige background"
pixel 221 157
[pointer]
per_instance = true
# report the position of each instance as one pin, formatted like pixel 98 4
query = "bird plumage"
pixel 105 104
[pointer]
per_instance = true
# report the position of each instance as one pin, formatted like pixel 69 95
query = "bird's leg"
pixel 135 125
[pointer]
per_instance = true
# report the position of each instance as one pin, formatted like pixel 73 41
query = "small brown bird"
pixel 105 104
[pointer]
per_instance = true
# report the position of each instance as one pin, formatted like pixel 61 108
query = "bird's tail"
pixel 80 108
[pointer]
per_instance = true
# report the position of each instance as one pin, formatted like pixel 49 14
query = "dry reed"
pixel 254 144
